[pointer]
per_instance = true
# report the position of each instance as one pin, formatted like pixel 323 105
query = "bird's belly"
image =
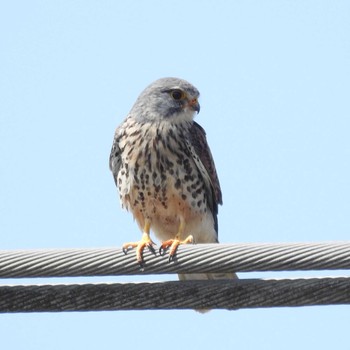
pixel 165 220
pixel 167 202
pixel 200 226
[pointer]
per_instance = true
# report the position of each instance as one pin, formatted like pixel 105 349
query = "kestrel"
pixel 164 171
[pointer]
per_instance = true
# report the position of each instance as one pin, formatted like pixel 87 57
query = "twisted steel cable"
pixel 224 294
pixel 189 259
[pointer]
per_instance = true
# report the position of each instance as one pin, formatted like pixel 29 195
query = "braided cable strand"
pixel 224 294
pixel 189 259
pixel 220 294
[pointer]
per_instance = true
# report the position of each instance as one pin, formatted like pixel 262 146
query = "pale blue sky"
pixel 274 78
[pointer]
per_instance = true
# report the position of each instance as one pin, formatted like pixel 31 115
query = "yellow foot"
pixel 140 246
pixel 173 244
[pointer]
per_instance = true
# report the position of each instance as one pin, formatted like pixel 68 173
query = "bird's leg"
pixel 174 243
pixel 142 244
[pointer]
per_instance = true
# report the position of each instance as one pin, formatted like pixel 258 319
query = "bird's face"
pixel 168 99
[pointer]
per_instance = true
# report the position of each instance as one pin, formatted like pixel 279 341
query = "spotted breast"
pixel 159 179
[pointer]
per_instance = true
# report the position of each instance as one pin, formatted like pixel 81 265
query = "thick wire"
pixel 200 295
pixel 189 259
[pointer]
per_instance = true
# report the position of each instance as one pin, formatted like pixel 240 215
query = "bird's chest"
pixel 158 176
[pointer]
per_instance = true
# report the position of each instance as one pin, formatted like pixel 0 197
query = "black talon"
pixel 161 251
pixel 151 249
pixel 125 250
pixel 142 266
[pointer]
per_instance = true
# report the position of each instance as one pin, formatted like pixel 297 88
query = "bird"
pixel 165 173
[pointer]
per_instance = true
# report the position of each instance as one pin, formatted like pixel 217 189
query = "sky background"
pixel 274 78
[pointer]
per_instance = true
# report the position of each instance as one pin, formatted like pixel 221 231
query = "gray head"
pixel 170 99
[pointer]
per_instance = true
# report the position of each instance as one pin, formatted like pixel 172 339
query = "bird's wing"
pixel 205 163
pixel 115 159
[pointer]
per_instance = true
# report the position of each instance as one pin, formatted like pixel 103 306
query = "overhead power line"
pixel 221 294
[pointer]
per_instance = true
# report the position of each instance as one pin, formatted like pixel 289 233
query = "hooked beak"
pixel 194 105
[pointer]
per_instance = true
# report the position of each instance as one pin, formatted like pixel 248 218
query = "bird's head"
pixel 171 99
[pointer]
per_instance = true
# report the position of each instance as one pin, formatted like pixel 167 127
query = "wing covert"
pixel 200 146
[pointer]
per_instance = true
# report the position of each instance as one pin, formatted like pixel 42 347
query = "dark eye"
pixel 177 94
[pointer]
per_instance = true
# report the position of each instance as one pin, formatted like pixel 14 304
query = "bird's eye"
pixel 177 94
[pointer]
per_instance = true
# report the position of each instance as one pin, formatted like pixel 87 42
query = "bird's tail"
pixel 206 276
